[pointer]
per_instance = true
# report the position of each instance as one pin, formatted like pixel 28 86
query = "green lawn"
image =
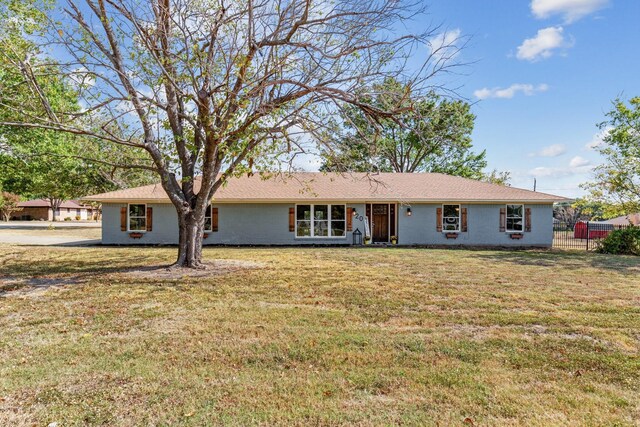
pixel 320 337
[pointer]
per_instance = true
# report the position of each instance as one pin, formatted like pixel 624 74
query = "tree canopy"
pixel 41 162
pixel 431 134
pixel 617 180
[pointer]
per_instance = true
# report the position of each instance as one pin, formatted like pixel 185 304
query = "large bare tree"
pixel 215 88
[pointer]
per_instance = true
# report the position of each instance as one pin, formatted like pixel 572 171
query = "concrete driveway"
pixel 43 233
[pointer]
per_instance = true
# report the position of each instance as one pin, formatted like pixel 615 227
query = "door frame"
pixel 392 225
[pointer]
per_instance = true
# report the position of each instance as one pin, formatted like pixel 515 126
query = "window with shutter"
pixel 211 219
pixel 450 218
pixel 137 214
pixel 320 220
pixel 515 218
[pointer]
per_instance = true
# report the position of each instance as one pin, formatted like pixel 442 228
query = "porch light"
pixel 408 211
pixel 357 237
pixel 354 213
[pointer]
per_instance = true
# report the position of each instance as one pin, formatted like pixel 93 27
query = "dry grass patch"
pixel 321 336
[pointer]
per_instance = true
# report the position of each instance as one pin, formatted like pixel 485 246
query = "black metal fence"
pixel 583 235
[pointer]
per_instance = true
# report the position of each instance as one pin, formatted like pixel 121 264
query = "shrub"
pixel 77 217
pixel 622 242
pixel 67 218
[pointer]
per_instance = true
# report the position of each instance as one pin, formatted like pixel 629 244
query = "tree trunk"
pixel 55 206
pixel 191 231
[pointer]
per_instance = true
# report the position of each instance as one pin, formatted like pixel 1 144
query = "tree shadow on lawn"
pixel 15 274
pixel 57 266
pixel 624 264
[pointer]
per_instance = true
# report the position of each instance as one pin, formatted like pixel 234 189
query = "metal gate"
pixel 582 235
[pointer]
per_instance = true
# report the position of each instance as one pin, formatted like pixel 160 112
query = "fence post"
pixel 588 235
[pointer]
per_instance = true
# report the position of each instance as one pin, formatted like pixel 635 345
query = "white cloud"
pixel 511 91
pixel 308 162
pixel 598 139
pixel 81 78
pixel 577 165
pixel 571 10
pixel 543 44
pixel 578 162
pixel 553 150
pixel 444 46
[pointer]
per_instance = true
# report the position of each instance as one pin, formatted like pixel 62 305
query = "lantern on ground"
pixel 357 237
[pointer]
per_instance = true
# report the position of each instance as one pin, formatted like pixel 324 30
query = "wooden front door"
pixel 380 223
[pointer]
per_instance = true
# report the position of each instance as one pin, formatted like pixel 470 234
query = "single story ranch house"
pixel 328 208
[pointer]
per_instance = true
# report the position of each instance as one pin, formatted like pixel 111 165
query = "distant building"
pixel 40 210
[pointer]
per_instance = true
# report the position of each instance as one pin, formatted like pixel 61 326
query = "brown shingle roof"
pixel 352 187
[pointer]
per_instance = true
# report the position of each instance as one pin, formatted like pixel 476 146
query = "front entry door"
pixel 380 222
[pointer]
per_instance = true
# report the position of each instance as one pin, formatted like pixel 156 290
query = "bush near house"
pixel 621 242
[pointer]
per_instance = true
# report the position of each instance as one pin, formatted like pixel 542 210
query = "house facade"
pixel 40 210
pixel 319 208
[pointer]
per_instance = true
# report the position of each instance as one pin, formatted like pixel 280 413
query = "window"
pixel 138 217
pixel 207 219
pixel 450 217
pixel 515 217
pixel 321 221
pixel 338 221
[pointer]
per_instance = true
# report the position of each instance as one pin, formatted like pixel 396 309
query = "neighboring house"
pixel 631 219
pixel 40 209
pixel 319 208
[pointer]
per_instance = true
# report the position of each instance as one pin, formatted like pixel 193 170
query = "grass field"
pixel 319 337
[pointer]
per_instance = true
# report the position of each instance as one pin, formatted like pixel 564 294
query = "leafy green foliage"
pixel 597 210
pixel 617 181
pixel 431 135
pixel 621 242
pixel 497 177
pixel 38 162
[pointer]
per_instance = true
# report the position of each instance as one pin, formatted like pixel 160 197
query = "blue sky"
pixel 544 74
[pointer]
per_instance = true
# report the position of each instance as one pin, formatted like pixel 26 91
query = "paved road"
pixel 39 233
pixel 28 225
